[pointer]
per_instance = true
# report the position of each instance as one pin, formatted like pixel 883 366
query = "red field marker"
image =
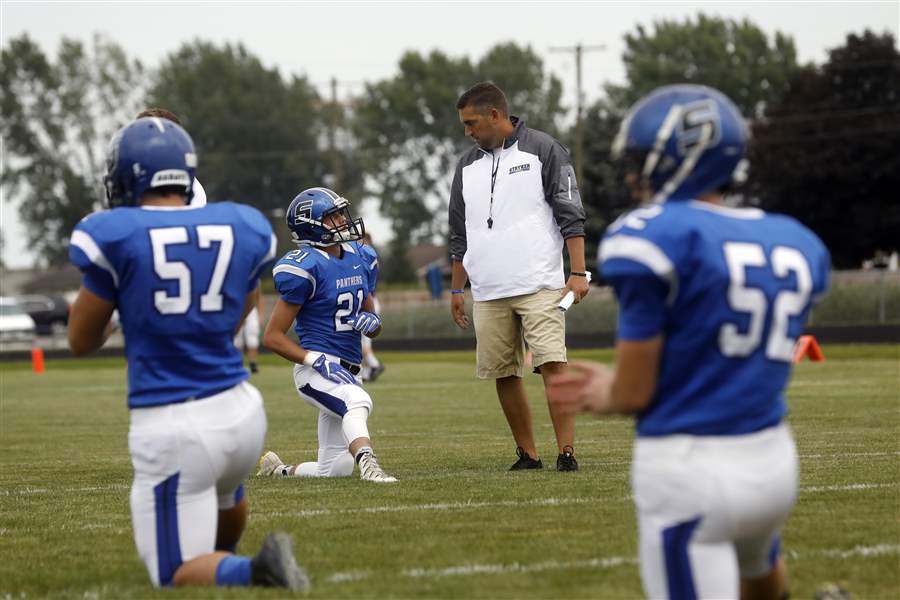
pixel 37 360
pixel 808 346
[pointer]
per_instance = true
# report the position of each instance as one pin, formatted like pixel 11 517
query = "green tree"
pixel 256 132
pixel 736 57
pixel 827 152
pixel 58 117
pixel 410 137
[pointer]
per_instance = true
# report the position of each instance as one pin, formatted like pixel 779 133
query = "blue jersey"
pixel 730 290
pixel 329 290
pixel 179 278
pixel 368 252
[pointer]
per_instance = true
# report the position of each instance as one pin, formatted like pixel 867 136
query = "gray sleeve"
pixel 561 191
pixel 457 218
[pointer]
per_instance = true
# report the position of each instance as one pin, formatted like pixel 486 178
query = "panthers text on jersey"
pixel 329 290
pixel 179 278
pixel 368 252
pixel 730 290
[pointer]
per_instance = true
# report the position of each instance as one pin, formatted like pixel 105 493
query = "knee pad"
pixel 355 425
pixel 356 397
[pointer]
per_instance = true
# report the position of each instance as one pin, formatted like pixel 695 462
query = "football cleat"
pixel 370 470
pixel 275 566
pixel 525 461
pixel 831 591
pixel 375 373
pixel 566 461
pixel 270 465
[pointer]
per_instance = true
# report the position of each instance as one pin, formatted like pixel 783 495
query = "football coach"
pixel 514 203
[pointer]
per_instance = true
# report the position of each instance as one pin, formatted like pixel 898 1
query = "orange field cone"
pixel 37 360
pixel 808 346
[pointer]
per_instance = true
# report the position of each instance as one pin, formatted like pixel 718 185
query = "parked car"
pixel 50 313
pixel 15 324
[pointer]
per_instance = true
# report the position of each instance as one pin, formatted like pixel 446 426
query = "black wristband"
pixel 577 274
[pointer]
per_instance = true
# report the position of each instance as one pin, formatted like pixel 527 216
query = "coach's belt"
pixel 350 367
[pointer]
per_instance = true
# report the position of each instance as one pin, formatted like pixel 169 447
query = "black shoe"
pixel 566 461
pixel 375 373
pixel 274 564
pixel 525 461
pixel 254 368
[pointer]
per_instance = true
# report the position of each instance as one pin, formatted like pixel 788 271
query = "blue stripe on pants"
pixel 331 403
pixel 168 546
pixel 775 551
pixel 678 564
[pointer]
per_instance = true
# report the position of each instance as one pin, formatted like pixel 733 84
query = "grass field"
pixel 457 525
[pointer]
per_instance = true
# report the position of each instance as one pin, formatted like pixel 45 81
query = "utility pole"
pixel 579 50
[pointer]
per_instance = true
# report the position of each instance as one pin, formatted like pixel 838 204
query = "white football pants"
pixel 343 411
pixel 190 460
pixel 711 509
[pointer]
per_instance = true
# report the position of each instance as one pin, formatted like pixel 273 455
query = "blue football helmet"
pixel 683 141
pixel 307 214
pixel 145 154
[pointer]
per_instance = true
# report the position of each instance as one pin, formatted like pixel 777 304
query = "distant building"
pixel 423 256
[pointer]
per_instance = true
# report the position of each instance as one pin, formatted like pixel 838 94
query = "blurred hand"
pixel 582 387
pixel 458 310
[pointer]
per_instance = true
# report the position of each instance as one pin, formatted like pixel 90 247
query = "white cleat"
pixel 270 465
pixel 370 470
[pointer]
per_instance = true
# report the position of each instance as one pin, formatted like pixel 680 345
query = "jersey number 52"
pixel 745 299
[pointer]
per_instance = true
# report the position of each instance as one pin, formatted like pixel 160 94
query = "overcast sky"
pixel 362 41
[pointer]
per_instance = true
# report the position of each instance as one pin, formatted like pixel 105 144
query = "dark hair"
pixel 484 96
pixel 165 190
pixel 161 113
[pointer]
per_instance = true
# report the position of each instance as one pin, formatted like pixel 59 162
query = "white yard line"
pixel 437 506
pixel 609 562
pixel 78 490
pixel 33 491
pixel 848 487
pixel 537 502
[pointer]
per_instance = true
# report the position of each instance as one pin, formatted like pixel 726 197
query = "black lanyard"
pixel 490 221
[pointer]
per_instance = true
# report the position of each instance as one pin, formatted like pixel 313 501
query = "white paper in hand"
pixel 569 298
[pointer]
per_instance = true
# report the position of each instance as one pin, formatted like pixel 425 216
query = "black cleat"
pixel 525 461
pixel 375 373
pixel 254 368
pixel 274 565
pixel 566 461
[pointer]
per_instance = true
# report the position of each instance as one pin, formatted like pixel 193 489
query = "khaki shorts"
pixel 503 326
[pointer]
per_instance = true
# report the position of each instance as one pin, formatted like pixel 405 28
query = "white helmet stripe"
pixel 662 137
pixel 331 193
